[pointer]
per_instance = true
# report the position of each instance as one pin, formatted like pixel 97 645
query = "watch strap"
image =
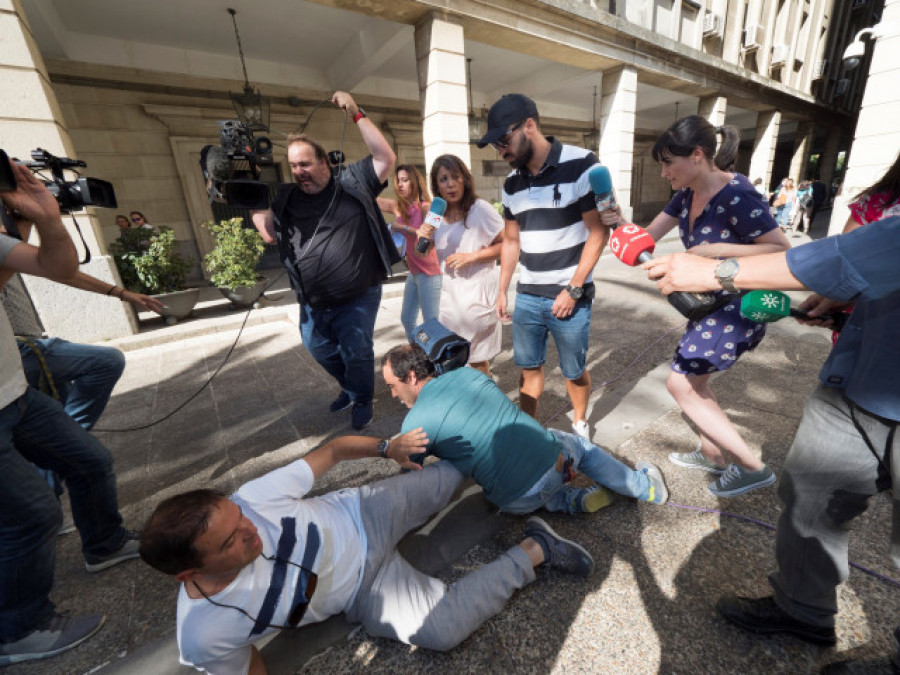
pixel 360 113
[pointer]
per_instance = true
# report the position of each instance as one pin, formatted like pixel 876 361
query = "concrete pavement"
pixel 647 607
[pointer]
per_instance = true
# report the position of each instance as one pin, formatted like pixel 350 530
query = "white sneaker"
pixel 582 429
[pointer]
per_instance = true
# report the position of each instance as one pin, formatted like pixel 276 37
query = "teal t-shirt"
pixel 472 424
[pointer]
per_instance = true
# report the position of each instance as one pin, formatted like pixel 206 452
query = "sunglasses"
pixel 503 141
pixel 136 219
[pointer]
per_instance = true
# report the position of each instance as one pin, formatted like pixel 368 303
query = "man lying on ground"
pixel 266 559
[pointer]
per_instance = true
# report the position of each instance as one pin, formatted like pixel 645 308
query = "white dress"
pixel 468 295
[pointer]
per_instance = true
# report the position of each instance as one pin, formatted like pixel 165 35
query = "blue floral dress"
pixel 737 214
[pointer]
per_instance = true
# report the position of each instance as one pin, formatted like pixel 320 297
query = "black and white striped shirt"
pixel 548 208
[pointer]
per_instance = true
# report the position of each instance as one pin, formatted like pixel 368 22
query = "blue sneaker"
pixel 559 553
pixel 658 492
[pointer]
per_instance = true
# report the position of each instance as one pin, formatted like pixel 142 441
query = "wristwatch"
pixel 383 447
pixel 360 113
pixel 725 273
pixel 575 292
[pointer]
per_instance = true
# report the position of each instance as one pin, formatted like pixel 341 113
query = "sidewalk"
pixel 647 608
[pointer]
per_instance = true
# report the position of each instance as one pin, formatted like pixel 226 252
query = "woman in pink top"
pixel 423 284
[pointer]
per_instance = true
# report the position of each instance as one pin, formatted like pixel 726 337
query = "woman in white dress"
pixel 468 246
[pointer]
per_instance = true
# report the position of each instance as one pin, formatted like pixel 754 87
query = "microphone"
pixel 434 217
pixel 601 186
pixel 633 245
pixel 769 306
pixel 216 166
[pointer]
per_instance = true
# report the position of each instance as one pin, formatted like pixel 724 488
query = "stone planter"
pixel 243 297
pixel 178 304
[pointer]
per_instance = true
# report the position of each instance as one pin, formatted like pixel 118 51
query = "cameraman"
pixel 35 429
pixel 337 249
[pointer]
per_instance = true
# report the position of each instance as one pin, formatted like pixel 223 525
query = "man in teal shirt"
pixel 520 465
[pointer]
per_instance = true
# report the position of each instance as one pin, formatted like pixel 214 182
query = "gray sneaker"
pixel 658 492
pixel 54 635
pixel 736 481
pixel 559 553
pixel 128 550
pixel 695 460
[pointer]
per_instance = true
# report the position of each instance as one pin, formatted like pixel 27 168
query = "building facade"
pixel 137 89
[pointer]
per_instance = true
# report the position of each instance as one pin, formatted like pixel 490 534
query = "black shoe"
pixel 342 402
pixel 762 615
pixel 559 553
pixel 127 551
pixel 361 415
pixel 858 667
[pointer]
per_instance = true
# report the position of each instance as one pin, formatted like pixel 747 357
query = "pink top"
pixel 869 208
pixel 418 264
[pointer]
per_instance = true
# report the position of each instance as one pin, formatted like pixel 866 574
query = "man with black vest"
pixel 553 231
pixel 337 249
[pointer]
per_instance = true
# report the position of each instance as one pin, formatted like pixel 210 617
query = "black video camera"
pixel 232 169
pixel 8 181
pixel 71 195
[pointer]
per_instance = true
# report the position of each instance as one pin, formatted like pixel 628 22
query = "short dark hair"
pixel 321 155
pixel 405 358
pixel 167 541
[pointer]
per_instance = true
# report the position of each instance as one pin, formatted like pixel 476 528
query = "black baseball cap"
pixel 510 109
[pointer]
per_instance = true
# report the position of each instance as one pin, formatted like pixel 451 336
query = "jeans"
pixel 828 478
pixel 592 461
pixel 421 291
pixel 341 338
pixel 34 429
pixel 533 322
pixel 84 377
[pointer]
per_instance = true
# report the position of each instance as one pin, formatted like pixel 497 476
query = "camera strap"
pixel 87 251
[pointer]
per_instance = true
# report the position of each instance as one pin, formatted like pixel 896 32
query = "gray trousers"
pixel 829 475
pixel 397 601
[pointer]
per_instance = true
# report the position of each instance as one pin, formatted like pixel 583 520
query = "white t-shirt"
pixel 323 533
pixel 12 377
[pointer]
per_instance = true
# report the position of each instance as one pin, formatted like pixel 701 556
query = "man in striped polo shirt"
pixel 553 230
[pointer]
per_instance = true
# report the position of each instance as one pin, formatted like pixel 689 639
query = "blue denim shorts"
pixel 533 322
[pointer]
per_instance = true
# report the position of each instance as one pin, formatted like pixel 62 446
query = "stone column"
pixel 877 139
pixel 618 105
pixel 767 125
pixel 31 119
pixel 800 158
pixel 713 109
pixel 441 64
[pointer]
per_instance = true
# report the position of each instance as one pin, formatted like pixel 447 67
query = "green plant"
pixel 148 261
pixel 232 262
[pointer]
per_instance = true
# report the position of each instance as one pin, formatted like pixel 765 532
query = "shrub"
pixel 148 261
pixel 232 262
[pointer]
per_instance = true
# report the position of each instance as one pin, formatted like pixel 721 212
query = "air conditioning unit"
pixel 754 36
pixel 819 69
pixel 842 86
pixel 713 25
pixel 780 54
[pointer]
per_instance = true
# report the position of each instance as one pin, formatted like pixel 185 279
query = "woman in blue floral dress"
pixel 719 214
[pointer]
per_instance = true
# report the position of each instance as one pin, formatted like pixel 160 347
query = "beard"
pixel 523 156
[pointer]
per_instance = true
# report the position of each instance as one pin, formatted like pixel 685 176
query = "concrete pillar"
pixel 713 109
pixel 618 106
pixel 441 65
pixel 30 119
pixel 802 144
pixel 877 139
pixel 767 125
